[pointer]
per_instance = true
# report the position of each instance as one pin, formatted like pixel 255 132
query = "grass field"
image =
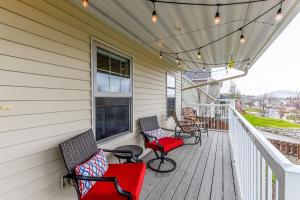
pixel 270 122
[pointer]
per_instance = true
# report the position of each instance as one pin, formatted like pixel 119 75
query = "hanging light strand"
pixel 154 16
pixel 242 37
pixel 227 35
pixel 217 17
pixel 279 14
pixel 203 63
pixel 207 4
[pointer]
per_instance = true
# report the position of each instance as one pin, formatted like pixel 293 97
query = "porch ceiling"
pixel 183 27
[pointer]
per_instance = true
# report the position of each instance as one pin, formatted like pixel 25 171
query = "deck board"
pixel 203 172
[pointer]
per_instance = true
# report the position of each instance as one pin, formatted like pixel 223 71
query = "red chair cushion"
pixel 168 144
pixel 130 177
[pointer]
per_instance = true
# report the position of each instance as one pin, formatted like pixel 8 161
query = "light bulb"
pixel 85 3
pixel 242 39
pixel 217 18
pixel 279 15
pixel 179 65
pixel 199 54
pixel 160 56
pixel 154 16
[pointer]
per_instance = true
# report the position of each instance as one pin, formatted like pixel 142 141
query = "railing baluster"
pixel 263 179
pixel 269 183
pixel 256 159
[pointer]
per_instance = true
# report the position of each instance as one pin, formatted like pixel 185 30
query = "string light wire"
pixel 207 4
pixel 221 38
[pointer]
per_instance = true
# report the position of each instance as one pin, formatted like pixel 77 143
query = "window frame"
pixel 95 93
pixel 172 75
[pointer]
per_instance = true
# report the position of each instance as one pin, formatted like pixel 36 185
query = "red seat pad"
pixel 130 177
pixel 168 144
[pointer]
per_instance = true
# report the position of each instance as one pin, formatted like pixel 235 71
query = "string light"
pixel 177 59
pixel 217 17
pixel 206 4
pixel 154 16
pixel 85 3
pixel 199 54
pixel 279 14
pixel 242 38
pixel 226 35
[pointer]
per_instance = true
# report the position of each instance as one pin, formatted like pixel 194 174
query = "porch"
pixel 203 172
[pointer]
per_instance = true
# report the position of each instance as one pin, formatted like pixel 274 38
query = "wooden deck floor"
pixel 203 172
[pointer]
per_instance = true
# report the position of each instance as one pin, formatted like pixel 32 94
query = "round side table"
pixel 135 149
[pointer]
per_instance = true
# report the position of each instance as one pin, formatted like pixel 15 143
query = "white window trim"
pixel 170 74
pixel 95 93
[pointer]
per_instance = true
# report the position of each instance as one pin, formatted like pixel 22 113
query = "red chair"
pixel 120 181
pixel 158 143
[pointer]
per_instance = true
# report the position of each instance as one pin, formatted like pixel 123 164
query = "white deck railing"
pixel 263 172
pixel 216 115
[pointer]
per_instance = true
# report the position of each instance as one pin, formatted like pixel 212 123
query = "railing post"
pixel 289 190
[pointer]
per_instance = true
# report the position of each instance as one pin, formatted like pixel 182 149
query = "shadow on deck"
pixel 203 172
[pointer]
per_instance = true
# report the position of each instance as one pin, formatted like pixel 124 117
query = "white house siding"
pixel 45 80
pixel 191 96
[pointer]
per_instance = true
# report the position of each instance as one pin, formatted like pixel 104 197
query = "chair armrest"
pixel 166 129
pixel 187 123
pixel 156 140
pixel 123 151
pixel 102 179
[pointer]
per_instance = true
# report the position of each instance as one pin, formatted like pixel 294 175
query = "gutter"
pixel 216 81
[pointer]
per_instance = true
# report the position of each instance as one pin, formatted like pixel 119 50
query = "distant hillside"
pixel 283 94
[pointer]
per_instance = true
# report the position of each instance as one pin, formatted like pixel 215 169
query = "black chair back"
pixel 149 123
pixel 78 149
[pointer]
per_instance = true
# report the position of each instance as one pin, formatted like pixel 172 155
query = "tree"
pixel 234 91
pixel 265 103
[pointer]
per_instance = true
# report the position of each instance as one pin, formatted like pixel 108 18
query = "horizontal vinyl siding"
pixel 45 79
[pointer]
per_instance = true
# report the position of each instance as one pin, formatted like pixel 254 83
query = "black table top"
pixel 135 149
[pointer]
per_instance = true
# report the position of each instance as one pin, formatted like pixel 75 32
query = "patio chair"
pixel 188 127
pixel 202 122
pixel 159 143
pixel 119 182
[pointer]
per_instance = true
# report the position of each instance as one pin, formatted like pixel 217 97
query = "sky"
pixel 278 68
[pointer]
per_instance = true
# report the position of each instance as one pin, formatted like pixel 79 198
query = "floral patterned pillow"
pixel 96 166
pixel 158 133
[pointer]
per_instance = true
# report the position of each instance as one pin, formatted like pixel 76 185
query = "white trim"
pixel 95 43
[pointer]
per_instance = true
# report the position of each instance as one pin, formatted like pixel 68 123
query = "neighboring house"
pixel 204 92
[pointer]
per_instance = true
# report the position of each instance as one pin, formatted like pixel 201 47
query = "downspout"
pixel 216 81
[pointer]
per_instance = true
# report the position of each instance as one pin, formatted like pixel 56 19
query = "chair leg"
pixel 163 160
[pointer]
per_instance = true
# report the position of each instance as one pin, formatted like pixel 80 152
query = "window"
pixel 171 94
pixel 112 92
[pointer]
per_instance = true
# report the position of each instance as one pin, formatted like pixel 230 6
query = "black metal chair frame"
pixel 187 123
pixel 79 149
pixel 160 154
